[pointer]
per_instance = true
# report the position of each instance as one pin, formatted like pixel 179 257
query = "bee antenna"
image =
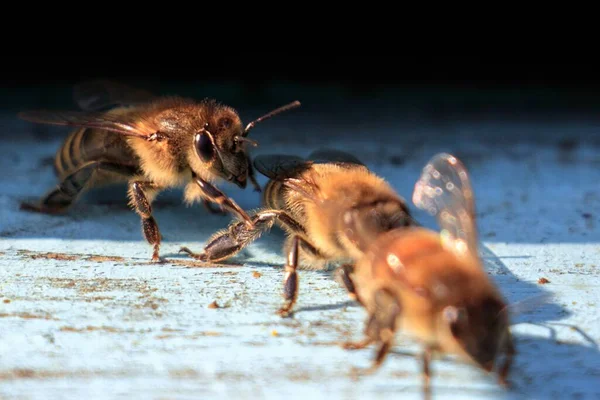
pixel 249 141
pixel 269 115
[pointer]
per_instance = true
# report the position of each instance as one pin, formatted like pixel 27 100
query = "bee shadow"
pixel 104 214
pixel 532 303
pixel 328 307
pixel 545 366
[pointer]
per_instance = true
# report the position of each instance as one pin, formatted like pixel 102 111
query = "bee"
pixel 329 204
pixel 125 134
pixel 432 285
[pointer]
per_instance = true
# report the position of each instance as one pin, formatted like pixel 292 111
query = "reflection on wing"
pixel 280 166
pixel 131 125
pixel 287 169
pixel 530 303
pixel 333 156
pixel 444 190
pixel 100 94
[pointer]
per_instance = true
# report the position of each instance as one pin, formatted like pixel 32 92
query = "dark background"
pixel 366 88
pixel 356 69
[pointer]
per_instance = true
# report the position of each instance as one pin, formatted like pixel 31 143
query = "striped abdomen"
pixel 273 196
pixel 278 196
pixel 88 144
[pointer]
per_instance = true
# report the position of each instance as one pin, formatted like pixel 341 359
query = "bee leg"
pixel 212 209
pixel 382 352
pixel 358 345
pixel 142 206
pixel 344 273
pixel 505 369
pixel 426 358
pixel 66 192
pixel 216 196
pixel 229 242
pixel 252 176
pixel 221 247
pixel 380 329
pixel 255 183
pixel 370 336
pixel 290 280
pixel 382 325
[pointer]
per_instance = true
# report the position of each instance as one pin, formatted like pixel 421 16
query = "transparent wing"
pixel 288 169
pixel 280 166
pixel 130 124
pixel 444 191
pixel 326 155
pixel 529 304
pixel 99 94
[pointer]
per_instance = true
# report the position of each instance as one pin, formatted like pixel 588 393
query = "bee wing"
pixel 287 169
pixel 99 94
pixel 130 124
pixel 280 166
pixel 326 155
pixel 529 304
pixel 444 190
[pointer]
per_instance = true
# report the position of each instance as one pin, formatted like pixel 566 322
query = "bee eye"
pixel 204 147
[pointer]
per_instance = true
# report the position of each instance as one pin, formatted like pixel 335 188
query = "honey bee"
pixel 432 285
pixel 330 205
pixel 125 134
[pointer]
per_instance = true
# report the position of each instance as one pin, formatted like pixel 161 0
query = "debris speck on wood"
pixel 26 315
pixel 543 281
pixel 197 264
pixel 68 257
pixel 53 256
pixel 104 258
pixel 167 329
pixel 90 328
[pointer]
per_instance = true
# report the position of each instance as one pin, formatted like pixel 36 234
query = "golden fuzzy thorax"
pixel 170 162
pixel 326 191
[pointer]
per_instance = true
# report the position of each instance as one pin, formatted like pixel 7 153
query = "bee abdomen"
pixel 68 156
pixel 274 195
pixel 88 144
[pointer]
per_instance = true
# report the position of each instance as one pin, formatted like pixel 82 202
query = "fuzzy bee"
pixel 432 285
pixel 125 134
pixel 330 205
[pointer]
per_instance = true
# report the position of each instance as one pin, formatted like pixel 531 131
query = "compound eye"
pixel 204 146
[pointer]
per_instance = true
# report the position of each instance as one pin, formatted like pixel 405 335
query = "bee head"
pixel 480 329
pixel 218 146
pixel 222 143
